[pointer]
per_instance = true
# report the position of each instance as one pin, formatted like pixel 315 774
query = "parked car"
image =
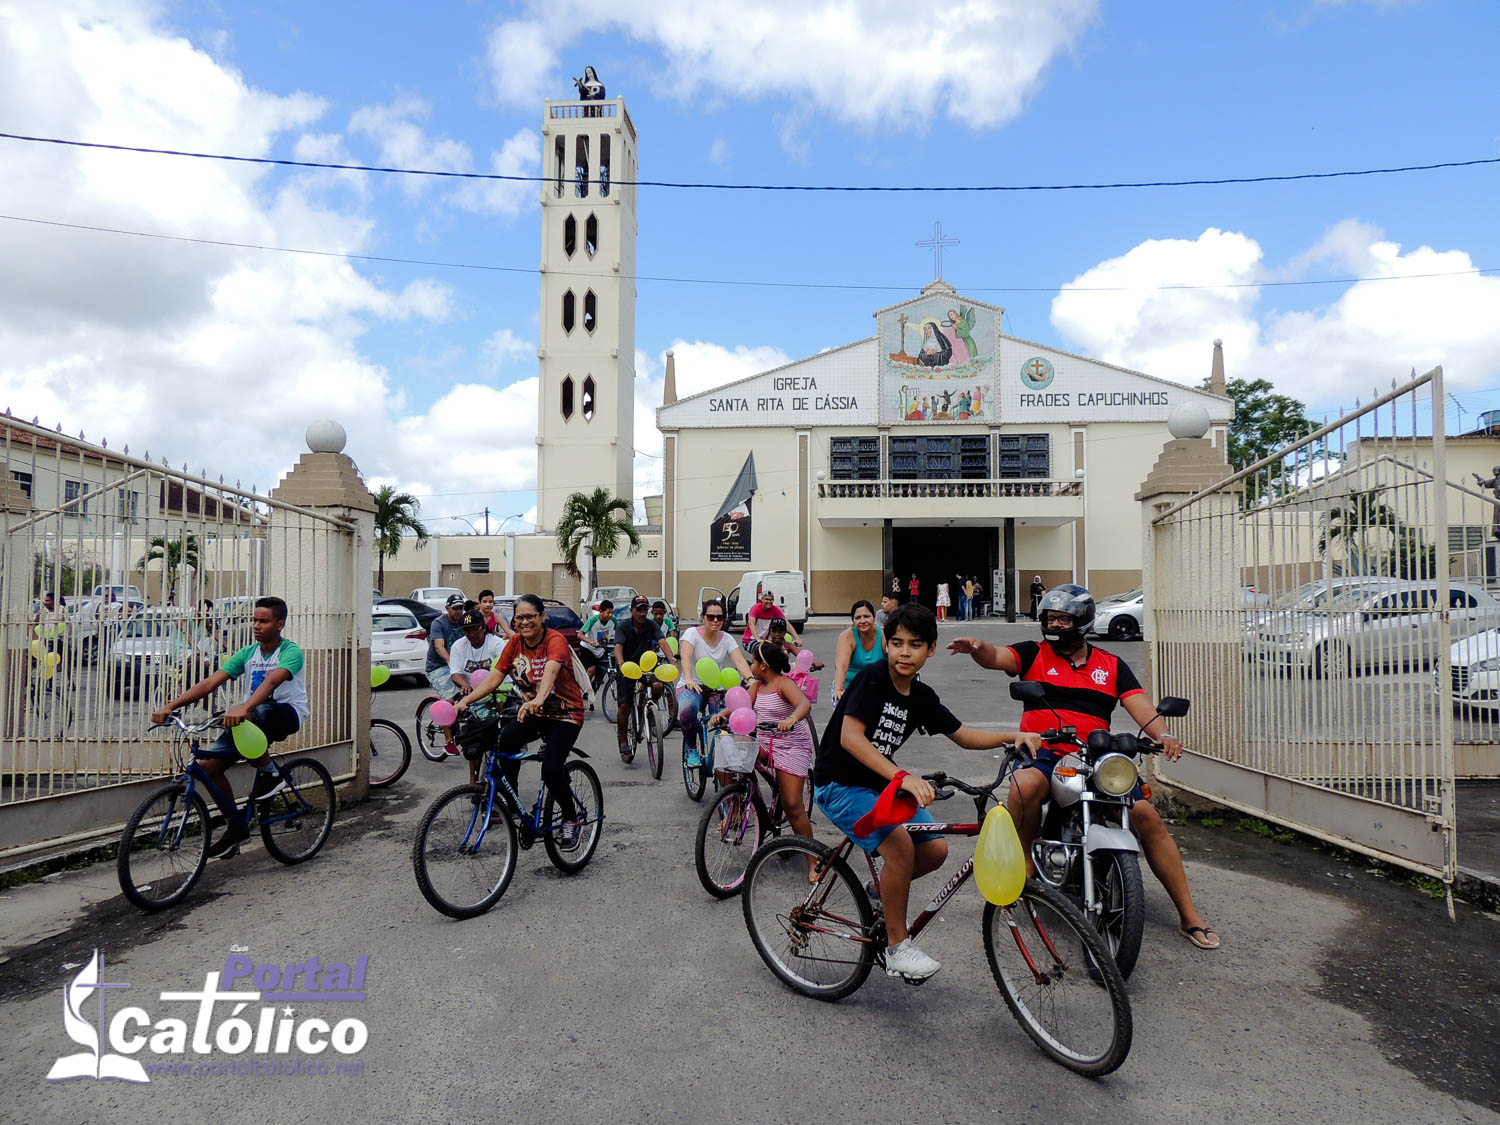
pixel 121 593
pixel 619 595
pixel 398 641
pixel 93 623
pixel 789 586
pixel 435 597
pixel 1373 624
pixel 1476 671
pixel 159 644
pixel 1120 616
pixel 423 612
pixel 559 617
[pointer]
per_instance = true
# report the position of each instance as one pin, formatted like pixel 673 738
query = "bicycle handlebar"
pixel 175 720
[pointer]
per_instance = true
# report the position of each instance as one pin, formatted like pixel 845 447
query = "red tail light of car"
pixel 417 635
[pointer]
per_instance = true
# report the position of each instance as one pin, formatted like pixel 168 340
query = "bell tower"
pixel 586 429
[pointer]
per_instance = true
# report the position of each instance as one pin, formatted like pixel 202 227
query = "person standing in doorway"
pixel 913 589
pixel 965 597
pixel 1036 591
pixel 942 601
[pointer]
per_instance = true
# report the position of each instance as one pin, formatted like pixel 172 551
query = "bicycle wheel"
pixel 163 848
pixel 588 801
pixel 694 777
pixel 609 701
pixel 459 873
pixel 430 737
pixel 816 939
pixel 390 753
pixel 729 832
pixel 655 751
pixel 295 822
pixel 1117 881
pixel 1059 980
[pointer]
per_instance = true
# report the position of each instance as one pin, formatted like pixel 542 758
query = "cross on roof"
pixel 936 243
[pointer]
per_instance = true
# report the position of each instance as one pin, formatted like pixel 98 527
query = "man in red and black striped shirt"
pixel 1083 685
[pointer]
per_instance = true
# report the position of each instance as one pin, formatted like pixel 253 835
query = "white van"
pixel 789 586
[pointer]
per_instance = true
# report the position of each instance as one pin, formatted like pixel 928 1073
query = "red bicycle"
pixel 1050 965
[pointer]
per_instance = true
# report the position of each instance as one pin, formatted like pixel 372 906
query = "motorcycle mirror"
pixel 1172 707
pixel 1028 691
pixel 1100 741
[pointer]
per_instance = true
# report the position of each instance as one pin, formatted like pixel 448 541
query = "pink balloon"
pixel 442 713
pixel 742 721
pixel 804 660
pixel 736 698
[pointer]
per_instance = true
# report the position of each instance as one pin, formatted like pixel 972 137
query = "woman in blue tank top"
pixel 860 646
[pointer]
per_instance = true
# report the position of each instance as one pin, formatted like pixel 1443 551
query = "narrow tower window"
pixel 604 164
pixel 591 236
pixel 560 156
pixel 568 311
pixel 590 310
pixel 581 166
pixel 588 399
pixel 570 235
pixel 567 398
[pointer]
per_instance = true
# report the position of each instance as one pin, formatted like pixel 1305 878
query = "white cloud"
pixel 718 152
pixel 702 365
pixel 1369 333
pixel 504 346
pixel 869 64
pixel 521 155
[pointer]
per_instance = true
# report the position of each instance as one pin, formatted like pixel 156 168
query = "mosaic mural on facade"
pixel 937 362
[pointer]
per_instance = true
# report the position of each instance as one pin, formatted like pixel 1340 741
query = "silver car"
pixel 1371 624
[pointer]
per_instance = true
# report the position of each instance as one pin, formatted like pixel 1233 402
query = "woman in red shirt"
pixel 540 661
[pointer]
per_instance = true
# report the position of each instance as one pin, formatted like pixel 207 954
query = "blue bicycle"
pixel 466 846
pixel 698 759
pixel 165 843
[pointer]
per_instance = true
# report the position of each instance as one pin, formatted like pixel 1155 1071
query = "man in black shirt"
pixel 634 637
pixel 883 707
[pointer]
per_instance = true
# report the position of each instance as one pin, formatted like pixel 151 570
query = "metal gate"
pixel 122 582
pixel 1319 608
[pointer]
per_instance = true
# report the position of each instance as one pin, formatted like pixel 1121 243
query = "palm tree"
pixel 1352 523
pixel 173 554
pixel 396 516
pixel 601 518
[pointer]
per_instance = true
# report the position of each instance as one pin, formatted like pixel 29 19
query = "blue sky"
pixel 137 335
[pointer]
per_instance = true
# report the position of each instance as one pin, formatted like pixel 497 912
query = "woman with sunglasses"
pixel 706 639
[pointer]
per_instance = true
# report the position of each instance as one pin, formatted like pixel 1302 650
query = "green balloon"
pixel 379 674
pixel 249 740
pixel 672 644
pixel 708 671
pixel 728 679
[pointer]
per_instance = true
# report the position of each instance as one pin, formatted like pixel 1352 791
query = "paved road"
pixel 626 994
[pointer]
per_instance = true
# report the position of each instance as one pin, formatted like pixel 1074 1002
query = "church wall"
pixel 707 463
pixel 1117 458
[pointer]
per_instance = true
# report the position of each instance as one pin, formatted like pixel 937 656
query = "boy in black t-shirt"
pixel 883 707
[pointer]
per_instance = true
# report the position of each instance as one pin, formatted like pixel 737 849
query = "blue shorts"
pixel 845 804
pixel 1047 762
pixel 441 680
pixel 277 721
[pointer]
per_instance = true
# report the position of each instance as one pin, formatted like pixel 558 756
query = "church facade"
pixel 939 448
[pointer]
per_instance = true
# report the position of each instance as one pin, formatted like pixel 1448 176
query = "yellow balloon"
pixel 666 673
pixel 46 671
pixel 54 658
pixel 630 670
pixel 999 866
pixel 36 650
pixel 379 674
pixel 648 660
pixel 249 740
pixel 672 644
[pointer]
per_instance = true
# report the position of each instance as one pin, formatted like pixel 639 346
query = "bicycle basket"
pixel 476 734
pixel 735 753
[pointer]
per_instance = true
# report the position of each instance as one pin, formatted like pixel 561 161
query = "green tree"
pixel 1370 535
pixel 601 518
pixel 1264 422
pixel 173 554
pixel 396 516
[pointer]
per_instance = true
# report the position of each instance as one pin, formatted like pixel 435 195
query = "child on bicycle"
pixel 469 661
pixel 275 701
pixel 777 699
pixel 541 663
pixel 883 707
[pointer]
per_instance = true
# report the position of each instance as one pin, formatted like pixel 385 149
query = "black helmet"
pixel 1070 599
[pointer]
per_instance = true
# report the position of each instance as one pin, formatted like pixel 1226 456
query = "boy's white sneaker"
pixel 906 960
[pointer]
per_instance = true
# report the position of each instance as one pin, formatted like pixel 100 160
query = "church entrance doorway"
pixel 945 554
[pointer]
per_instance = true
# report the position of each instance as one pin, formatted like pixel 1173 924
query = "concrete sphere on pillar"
pixel 324 436
pixel 1188 420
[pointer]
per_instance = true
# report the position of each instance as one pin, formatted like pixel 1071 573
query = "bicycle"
pixel 602 680
pixel 695 777
pixel 390 753
pixel 1050 964
pixel 453 873
pixel 645 721
pixel 432 740
pixel 48 708
pixel 164 846
pixel 733 828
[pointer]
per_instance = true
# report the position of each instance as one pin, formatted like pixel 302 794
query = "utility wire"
pixel 1104 186
pixel 533 270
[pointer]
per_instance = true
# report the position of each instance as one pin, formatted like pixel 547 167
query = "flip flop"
pixel 1201 936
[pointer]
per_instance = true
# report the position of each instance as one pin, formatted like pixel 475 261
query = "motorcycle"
pixel 1084 846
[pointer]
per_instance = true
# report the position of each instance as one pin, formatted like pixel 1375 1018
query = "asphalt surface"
pixel 626 994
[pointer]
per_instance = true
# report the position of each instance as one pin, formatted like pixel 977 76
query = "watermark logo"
pixel 273 1029
pixel 92 1063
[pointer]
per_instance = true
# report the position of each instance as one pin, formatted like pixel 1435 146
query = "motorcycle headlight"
pixel 1115 774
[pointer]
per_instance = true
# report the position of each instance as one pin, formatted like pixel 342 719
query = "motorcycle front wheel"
pixel 1122 898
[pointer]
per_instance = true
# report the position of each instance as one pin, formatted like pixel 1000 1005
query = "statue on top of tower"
pixel 590 89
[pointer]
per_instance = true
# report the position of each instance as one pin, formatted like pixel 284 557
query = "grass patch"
pixel 1212 822
pixel 1429 886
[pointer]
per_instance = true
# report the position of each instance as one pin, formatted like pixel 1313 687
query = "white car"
pixel 1119 616
pixel 436 596
pixel 1476 671
pixel 397 640
pixel 619 595
pixel 160 651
